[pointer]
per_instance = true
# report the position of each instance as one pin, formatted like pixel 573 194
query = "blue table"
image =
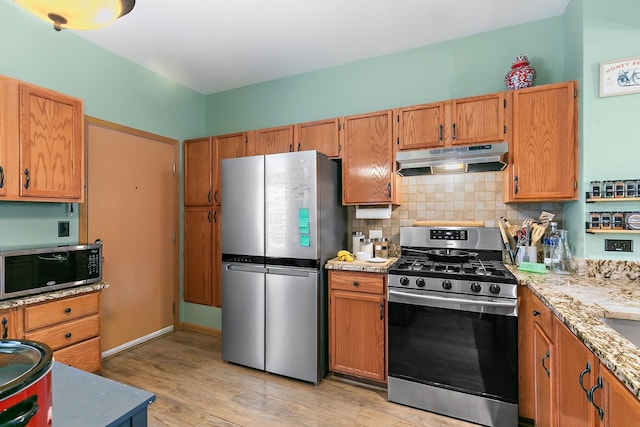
pixel 88 400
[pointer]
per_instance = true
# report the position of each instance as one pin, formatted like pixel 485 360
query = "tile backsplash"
pixel 459 197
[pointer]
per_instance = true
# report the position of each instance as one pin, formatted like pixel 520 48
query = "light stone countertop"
pixel 48 296
pixel 359 265
pixel 580 301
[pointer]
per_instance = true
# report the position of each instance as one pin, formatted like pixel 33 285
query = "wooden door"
pixel 198 255
pixel 226 147
pixel 274 140
pixel 51 144
pixel 357 334
pixel 132 206
pixel 420 126
pixel 576 370
pixel 544 144
pixel 620 407
pixel 478 119
pixel 198 157
pixel 544 408
pixel 367 163
pixel 322 135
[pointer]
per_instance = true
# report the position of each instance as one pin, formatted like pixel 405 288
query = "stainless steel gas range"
pixel 453 325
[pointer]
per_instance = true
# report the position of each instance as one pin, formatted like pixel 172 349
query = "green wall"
pixel 458 68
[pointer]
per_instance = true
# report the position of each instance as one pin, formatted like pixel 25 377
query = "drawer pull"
pixel 67 310
pixel 587 370
pixel 67 335
pixel 5 328
pixel 536 313
pixel 355 283
pixel 590 397
pixel 546 356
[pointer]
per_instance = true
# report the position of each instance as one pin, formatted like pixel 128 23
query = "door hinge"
pixel 575 185
pixel 173 168
pixel 575 93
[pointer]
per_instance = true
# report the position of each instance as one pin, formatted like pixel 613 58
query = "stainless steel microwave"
pixel 33 271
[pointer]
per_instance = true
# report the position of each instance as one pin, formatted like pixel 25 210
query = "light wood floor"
pixel 194 387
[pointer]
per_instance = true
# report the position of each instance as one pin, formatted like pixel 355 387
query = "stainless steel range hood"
pixel 468 158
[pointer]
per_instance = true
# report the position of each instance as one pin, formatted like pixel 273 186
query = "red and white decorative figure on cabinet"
pixel 521 74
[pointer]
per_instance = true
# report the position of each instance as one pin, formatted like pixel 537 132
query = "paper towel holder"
pixel 373 212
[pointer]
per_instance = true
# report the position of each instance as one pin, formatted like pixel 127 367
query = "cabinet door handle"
pixel 215 217
pixel 209 196
pixel 590 397
pixel 454 136
pixel 355 283
pixel 381 311
pixel 389 190
pixel 5 328
pixel 545 357
pixel 209 217
pixel 515 184
pixel 298 146
pixel 536 313
pixel 27 179
pixel 1 177
pixel 290 147
pixel 67 310
pixel 587 370
pixel 67 335
pixel 215 196
pixel 441 133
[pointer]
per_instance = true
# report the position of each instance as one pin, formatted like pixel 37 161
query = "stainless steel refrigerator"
pixel 281 221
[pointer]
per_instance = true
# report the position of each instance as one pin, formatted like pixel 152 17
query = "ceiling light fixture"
pixel 78 14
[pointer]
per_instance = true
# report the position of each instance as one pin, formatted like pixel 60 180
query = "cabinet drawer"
pixel 358 282
pixel 50 313
pixel 68 333
pixel 541 315
pixel 85 356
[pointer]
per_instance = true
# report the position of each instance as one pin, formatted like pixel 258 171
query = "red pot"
pixel 25 383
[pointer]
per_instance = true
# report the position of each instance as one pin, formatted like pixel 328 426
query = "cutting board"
pixel 438 223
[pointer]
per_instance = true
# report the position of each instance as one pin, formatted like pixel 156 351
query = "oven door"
pixel 465 344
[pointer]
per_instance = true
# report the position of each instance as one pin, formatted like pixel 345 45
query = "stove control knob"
pixel 475 287
pixel 404 280
pixel 420 283
pixel 446 284
pixel 494 289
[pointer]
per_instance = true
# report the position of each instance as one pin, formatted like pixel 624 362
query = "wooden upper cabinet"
pixel 226 147
pixel 461 121
pixel 273 140
pixel 51 144
pixel 368 175
pixel 543 147
pixel 41 144
pixel 198 172
pixel 322 135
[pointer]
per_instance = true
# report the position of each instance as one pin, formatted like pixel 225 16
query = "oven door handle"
pixel 510 304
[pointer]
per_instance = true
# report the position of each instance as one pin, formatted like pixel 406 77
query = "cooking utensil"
pixel 510 234
pixel 537 231
pixel 505 240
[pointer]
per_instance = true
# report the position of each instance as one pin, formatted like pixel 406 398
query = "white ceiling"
pixel 214 45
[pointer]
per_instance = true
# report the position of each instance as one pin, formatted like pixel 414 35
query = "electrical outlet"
pixel 63 228
pixel 618 245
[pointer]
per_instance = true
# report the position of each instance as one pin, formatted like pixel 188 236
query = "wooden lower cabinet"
pixel 357 311
pixel 560 371
pixel 70 326
pixel 11 323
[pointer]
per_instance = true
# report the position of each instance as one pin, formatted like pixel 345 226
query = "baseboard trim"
pixel 136 342
pixel 202 329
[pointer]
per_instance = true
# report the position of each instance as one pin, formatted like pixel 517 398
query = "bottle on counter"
pixel 356 239
pixel 561 258
pixel 549 244
pixel 380 247
pixel 366 245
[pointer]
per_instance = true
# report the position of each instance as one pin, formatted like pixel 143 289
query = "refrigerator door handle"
pixel 249 268
pixel 288 271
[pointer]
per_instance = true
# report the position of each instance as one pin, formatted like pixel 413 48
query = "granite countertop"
pixel 580 301
pixel 359 265
pixel 47 296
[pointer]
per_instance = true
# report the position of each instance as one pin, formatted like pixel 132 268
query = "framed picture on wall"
pixel 620 77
